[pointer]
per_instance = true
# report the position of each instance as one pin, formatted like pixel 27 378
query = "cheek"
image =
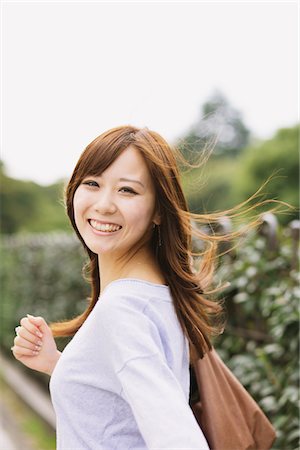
pixel 78 206
pixel 141 215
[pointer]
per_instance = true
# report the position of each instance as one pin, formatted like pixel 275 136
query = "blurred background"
pixel 219 74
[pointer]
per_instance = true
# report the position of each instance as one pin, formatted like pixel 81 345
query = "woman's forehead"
pixel 129 164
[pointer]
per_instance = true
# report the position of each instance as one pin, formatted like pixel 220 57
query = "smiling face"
pixel 114 210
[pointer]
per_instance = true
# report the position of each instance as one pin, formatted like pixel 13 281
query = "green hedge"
pixel 40 275
pixel 261 343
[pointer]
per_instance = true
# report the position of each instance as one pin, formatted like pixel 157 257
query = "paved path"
pixel 28 390
pixel 11 437
pixel 7 441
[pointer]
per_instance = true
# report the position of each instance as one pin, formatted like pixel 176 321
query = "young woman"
pixel 123 380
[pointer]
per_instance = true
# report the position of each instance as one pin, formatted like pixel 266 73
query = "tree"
pixel 221 125
pixel 278 157
pixel 27 206
pixel 225 182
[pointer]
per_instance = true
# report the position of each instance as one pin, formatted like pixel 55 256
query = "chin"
pixel 99 251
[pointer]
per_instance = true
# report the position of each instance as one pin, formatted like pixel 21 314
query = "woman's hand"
pixel 34 346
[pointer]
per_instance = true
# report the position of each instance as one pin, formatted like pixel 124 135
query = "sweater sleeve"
pixel 156 398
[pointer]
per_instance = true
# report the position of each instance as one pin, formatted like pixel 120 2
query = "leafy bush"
pixel 260 343
pixel 40 275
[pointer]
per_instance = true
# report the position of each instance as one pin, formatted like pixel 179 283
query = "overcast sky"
pixel 71 70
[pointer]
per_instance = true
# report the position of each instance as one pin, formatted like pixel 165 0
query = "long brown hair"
pixel 199 314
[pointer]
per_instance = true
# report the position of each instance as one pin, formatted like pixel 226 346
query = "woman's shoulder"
pixel 134 305
pixel 136 311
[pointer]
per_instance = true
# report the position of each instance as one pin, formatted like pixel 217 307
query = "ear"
pixel 156 219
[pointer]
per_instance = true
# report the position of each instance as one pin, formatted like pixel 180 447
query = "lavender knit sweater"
pixel 122 383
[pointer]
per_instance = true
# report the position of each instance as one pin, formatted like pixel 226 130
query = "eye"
pixel 128 189
pixel 90 183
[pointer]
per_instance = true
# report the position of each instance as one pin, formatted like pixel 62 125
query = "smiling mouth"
pixel 104 227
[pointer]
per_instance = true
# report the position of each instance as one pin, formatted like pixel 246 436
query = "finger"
pixel 40 323
pixel 21 351
pixel 28 343
pixel 31 327
pixel 25 343
pixel 23 332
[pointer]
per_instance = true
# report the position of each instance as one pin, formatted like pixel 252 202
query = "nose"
pixel 105 204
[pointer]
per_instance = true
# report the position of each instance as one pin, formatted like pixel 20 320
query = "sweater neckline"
pixel 136 280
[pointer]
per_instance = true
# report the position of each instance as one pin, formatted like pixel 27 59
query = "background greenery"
pixel 261 341
pixel 226 181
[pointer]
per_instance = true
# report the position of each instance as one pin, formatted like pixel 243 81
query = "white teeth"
pixel 104 226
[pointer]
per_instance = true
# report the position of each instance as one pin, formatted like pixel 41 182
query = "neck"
pixel 141 265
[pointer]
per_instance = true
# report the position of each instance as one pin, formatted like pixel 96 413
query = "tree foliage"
pixel 226 182
pixel 27 206
pixel 219 123
pixel 277 156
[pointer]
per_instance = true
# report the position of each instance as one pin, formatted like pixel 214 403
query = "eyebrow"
pixel 132 181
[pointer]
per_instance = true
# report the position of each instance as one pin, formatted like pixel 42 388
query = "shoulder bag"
pixel 228 416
